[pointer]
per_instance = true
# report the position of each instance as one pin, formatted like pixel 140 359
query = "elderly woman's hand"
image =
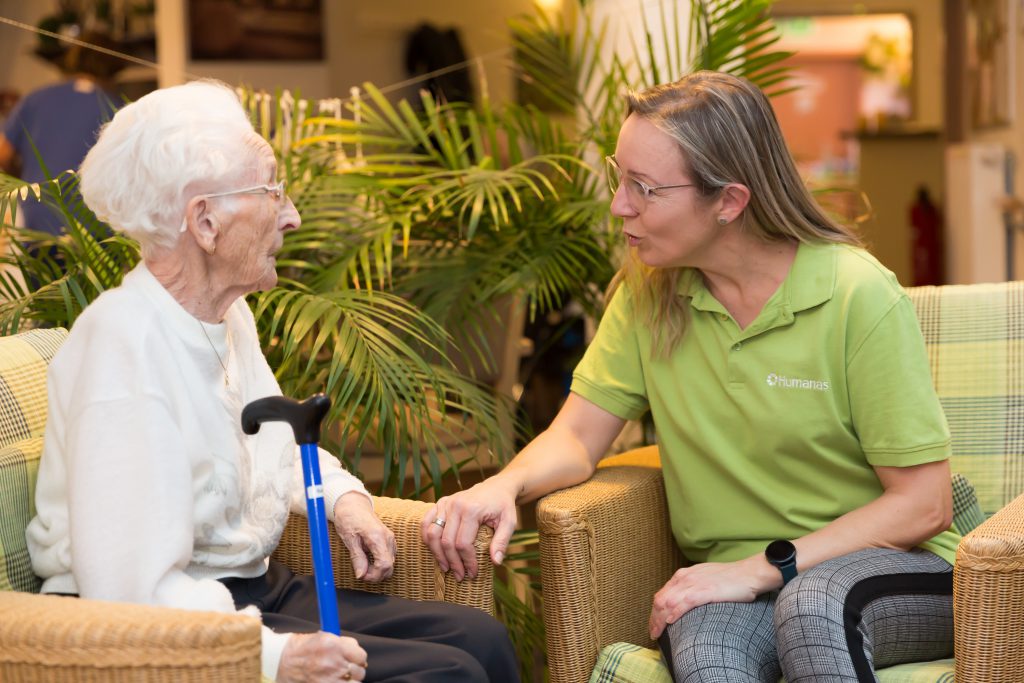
pixel 310 657
pixel 364 534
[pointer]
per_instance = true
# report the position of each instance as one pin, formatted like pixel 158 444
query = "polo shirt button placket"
pixel 737 346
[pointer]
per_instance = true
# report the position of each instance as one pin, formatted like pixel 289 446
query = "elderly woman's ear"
pixel 202 223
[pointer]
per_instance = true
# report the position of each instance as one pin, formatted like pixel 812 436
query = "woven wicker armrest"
pixel 50 638
pixel 606 548
pixel 416 575
pixel 988 592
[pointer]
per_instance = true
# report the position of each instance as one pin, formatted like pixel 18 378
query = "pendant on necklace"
pixel 220 360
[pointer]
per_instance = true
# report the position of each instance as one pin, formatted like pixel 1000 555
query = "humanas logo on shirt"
pixel 783 382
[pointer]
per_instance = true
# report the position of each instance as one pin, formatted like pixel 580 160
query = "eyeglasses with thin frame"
pixel 275 190
pixel 639 192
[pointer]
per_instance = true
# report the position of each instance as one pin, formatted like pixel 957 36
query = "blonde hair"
pixel 728 134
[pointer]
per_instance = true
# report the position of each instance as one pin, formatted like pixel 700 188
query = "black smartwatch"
pixel 782 554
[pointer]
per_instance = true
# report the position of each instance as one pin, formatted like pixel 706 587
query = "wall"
pixel 367 39
pixel 818 116
pixel 926 16
pixel 1012 135
pixel 893 166
pixel 20 70
pixel 364 41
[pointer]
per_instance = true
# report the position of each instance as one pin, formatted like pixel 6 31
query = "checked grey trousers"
pixel 835 622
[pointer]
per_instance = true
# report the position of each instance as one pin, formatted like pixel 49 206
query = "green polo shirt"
pixel 772 431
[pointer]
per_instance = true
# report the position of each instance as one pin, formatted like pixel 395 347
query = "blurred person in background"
pixel 52 128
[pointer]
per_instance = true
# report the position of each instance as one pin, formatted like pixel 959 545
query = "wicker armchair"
pixel 606 545
pixel 48 638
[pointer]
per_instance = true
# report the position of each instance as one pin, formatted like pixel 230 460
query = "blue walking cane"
pixel 305 420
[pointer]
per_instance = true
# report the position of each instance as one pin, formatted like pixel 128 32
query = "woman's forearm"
pixel 564 454
pixel 915 506
pixel 553 460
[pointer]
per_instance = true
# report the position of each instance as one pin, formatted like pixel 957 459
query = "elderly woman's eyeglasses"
pixel 277 191
pixel 638 191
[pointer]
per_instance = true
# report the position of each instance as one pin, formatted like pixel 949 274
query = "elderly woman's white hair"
pixel 158 148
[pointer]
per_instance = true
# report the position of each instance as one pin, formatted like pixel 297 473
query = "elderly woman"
pixel 148 491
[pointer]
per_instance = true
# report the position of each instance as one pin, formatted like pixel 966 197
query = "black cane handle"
pixel 304 417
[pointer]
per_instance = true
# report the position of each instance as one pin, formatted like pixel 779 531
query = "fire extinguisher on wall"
pixel 926 241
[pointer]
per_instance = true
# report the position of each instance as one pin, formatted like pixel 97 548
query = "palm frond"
pixel 369 351
pixel 45 279
pixel 737 37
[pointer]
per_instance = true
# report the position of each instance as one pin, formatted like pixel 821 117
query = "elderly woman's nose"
pixel 289 217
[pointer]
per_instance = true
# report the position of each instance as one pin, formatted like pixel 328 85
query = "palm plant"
pixel 49 279
pixel 449 188
pixel 567 66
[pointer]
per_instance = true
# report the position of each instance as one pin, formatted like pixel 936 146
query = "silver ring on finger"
pixel 439 521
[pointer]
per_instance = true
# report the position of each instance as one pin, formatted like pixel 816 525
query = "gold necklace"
pixel 227 381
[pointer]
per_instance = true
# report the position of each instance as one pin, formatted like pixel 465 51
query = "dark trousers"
pixel 405 640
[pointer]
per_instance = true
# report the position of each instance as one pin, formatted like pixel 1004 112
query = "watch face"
pixel 780 552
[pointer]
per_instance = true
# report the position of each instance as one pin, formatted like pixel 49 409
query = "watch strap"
pixel 788 570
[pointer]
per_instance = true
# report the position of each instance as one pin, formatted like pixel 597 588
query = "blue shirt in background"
pixel 62 121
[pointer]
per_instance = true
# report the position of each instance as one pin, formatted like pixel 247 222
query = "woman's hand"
pixel 490 502
pixel 363 533
pixel 310 657
pixel 710 582
pixel 564 454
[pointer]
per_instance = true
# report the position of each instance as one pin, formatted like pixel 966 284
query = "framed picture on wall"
pixel 991 32
pixel 256 30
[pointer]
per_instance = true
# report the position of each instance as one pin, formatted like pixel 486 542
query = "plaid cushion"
pixel 975 340
pixel 628 663
pixel 18 467
pixel 23 361
pixel 938 671
pixel 967 513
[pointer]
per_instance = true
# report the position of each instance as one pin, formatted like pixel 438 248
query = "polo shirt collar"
pixel 810 282
pixel 812 279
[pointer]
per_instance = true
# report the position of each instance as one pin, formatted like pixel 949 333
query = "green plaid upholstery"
pixel 939 671
pixel 23 361
pixel 628 663
pixel 975 340
pixel 967 512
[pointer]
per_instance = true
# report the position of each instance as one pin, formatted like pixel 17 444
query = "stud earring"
pixel 722 220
